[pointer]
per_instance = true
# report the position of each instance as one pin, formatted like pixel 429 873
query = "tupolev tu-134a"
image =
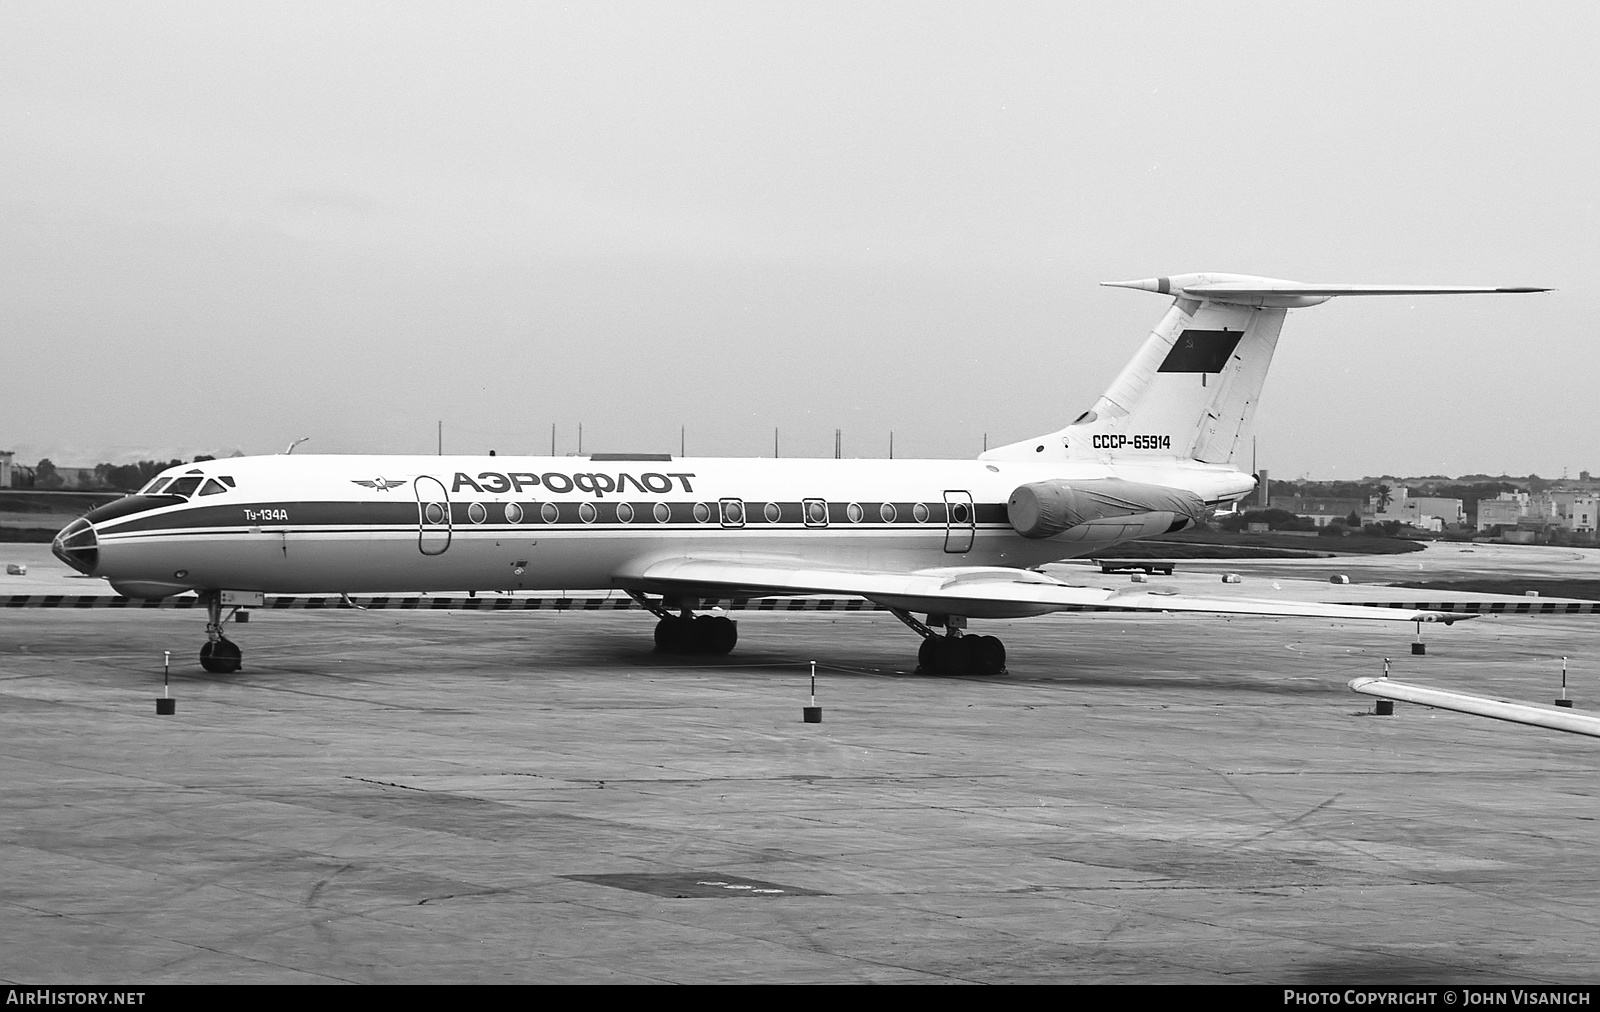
pixel 948 539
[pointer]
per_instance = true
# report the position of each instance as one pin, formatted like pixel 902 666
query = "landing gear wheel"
pixel 673 635
pixel 222 657
pixel 715 635
pixel 701 634
pixel 967 656
pixel 991 655
pixel 959 656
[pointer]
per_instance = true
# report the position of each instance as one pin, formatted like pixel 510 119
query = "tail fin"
pixel 1191 390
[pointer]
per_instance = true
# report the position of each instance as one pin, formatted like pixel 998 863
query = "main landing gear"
pixel 219 655
pixel 688 633
pixel 953 652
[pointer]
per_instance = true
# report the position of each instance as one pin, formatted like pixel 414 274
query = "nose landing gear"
pixel 221 656
pixel 218 655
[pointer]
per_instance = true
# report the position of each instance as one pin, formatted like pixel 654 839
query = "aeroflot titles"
pixel 594 483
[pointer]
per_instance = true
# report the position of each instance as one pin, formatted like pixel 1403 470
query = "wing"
pixel 975 592
pixel 1483 706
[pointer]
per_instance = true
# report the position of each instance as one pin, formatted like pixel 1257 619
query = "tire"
pixel 991 656
pixel 672 635
pixel 958 656
pixel 702 637
pixel 721 634
pixel 927 655
pixel 222 657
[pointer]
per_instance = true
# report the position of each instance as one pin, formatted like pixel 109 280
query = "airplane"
pixel 950 539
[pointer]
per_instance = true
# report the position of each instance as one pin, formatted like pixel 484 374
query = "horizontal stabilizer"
pixel 1239 288
pixel 1330 291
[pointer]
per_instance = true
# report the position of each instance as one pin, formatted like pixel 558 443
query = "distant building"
pixel 1505 510
pixel 1450 511
pixel 1323 511
pixel 5 467
pixel 1426 512
pixel 1575 511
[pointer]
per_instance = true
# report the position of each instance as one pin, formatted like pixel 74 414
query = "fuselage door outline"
pixel 960 522
pixel 434 530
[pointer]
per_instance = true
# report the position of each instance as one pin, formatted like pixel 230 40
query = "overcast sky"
pixel 227 226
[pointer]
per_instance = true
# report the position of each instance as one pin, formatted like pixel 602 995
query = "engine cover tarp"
pixel 1043 509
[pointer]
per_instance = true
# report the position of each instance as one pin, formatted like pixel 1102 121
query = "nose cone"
pixel 78 546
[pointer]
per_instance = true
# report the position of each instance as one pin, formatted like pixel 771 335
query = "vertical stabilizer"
pixel 1190 392
pixel 1192 389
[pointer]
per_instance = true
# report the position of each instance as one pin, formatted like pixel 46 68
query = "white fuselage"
pixel 370 524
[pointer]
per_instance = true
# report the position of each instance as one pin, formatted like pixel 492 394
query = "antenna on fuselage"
pixel 294 444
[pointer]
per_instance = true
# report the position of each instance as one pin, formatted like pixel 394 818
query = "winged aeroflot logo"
pixel 380 483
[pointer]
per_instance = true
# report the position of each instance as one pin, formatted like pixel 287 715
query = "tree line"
pixel 109 477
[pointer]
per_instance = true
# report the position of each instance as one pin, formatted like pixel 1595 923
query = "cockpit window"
pixel 227 481
pixel 184 486
pixel 212 487
pixel 155 486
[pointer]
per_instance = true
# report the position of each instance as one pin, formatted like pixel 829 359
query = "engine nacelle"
pixel 1043 509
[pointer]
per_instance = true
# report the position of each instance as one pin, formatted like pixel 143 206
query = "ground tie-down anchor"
pixel 1384 707
pixel 166 705
pixel 1417 646
pixel 813 713
pixel 1564 701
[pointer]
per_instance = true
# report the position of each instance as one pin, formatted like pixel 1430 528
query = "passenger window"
pixel 184 486
pixel 212 487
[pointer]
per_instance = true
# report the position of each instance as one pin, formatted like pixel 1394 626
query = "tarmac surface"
pixel 402 797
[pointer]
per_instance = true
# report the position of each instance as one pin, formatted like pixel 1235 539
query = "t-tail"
pixel 1191 391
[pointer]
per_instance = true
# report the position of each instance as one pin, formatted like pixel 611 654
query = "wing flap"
pixel 976 592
